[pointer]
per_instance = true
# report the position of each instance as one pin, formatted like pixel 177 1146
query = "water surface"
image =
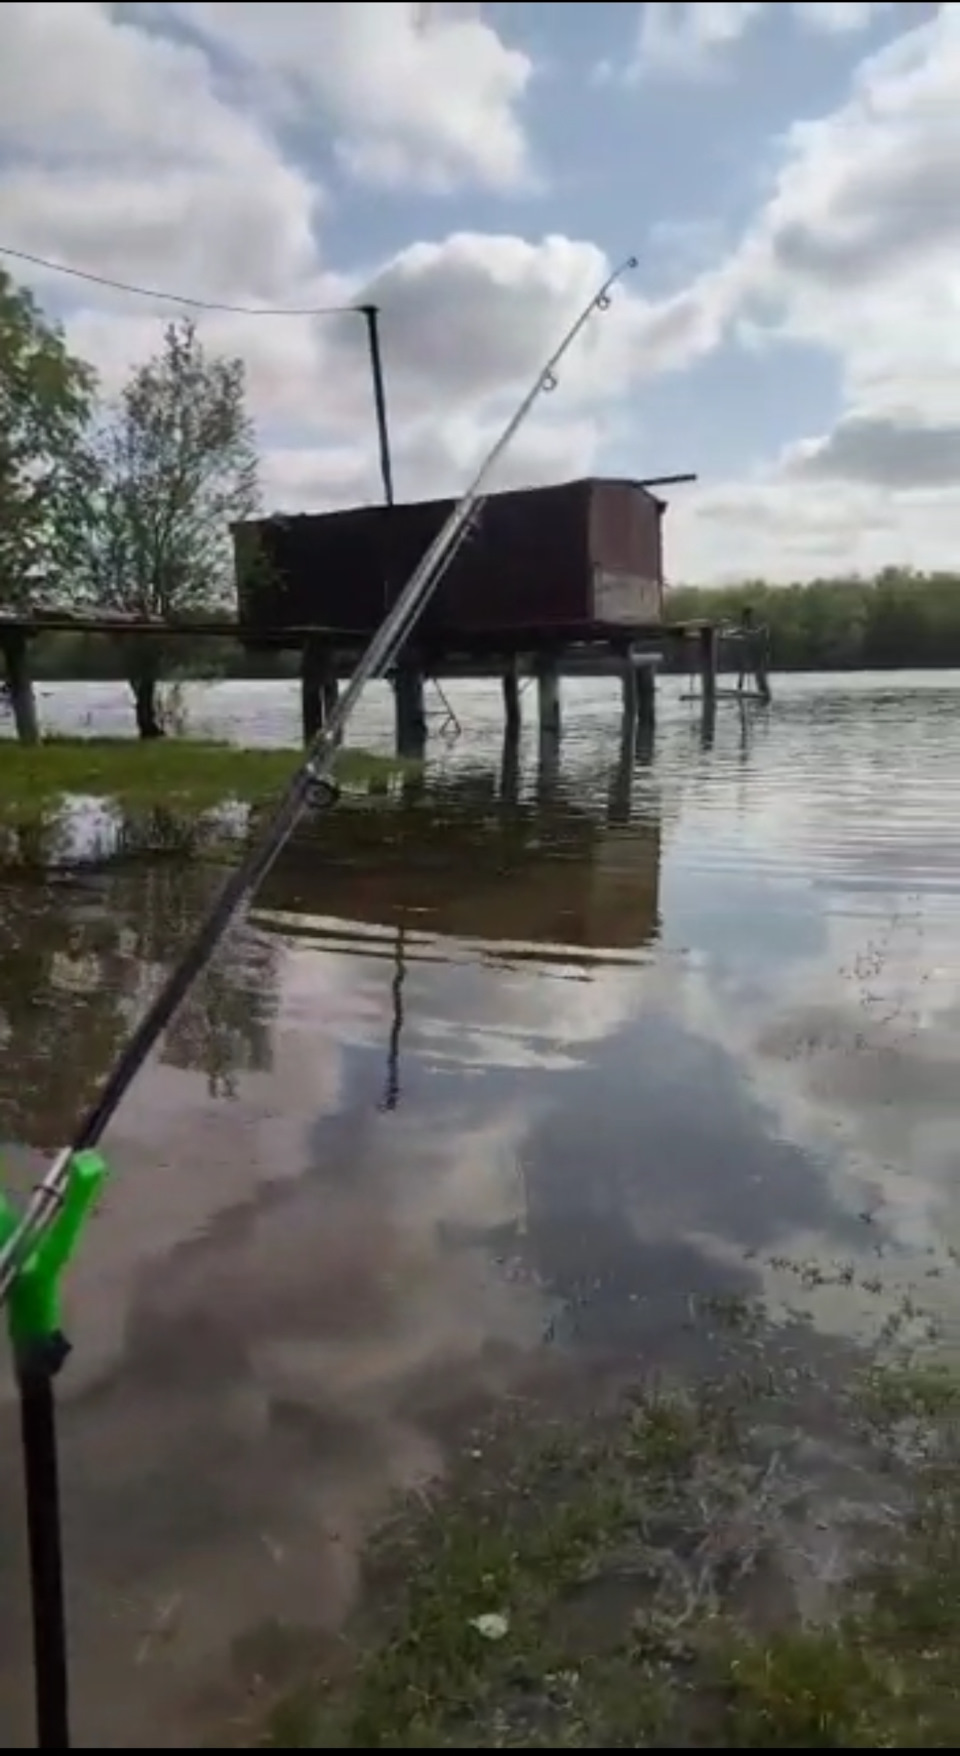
pixel 508 1065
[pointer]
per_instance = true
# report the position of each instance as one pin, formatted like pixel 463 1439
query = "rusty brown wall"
pixel 626 552
pixel 530 563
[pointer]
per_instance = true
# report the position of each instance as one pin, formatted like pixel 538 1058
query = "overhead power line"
pixel 370 314
pixel 122 286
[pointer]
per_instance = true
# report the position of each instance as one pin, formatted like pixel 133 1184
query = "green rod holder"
pixel 34 1302
pixel 34 1320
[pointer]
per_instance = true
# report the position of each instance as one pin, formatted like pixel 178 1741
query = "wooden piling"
pixel 318 686
pixel 510 768
pixel 708 664
pixel 548 767
pixel 646 694
pixel 630 698
pixel 513 717
pixel 709 650
pixel 329 692
pixel 548 686
pixel 411 718
pixel 13 642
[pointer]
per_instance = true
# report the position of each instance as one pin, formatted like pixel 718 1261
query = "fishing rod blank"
pixel 312 782
pixel 35 1248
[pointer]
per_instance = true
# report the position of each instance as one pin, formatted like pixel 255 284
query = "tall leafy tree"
pixel 45 401
pixel 167 472
pixel 45 397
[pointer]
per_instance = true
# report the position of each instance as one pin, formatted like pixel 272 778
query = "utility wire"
pixel 122 286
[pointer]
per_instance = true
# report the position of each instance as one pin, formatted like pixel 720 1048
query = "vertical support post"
pixel 630 697
pixel 708 684
pixel 329 687
pixel 646 694
pixel 22 698
pixel 509 769
pixel 318 686
pixel 646 713
pixel 548 769
pixel 708 664
pixel 410 712
pixel 371 316
pixel 513 719
pixel 548 686
pixel 311 688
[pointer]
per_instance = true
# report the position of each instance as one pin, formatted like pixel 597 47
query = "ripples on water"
pixel 500 1060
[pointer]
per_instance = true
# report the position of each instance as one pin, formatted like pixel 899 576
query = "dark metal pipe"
pixel 371 315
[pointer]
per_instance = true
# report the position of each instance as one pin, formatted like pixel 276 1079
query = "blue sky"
pixel 476 169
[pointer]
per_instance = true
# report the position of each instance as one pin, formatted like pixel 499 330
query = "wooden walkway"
pixel 468 643
pixel 630 652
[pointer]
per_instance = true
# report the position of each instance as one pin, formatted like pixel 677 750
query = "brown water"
pixel 508 1066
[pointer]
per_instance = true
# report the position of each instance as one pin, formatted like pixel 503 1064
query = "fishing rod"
pixel 312 779
pixel 36 1246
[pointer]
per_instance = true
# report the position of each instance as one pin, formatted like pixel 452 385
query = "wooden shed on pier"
pixel 565 563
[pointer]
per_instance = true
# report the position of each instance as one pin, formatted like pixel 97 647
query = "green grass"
pixel 190 775
pixel 641 1563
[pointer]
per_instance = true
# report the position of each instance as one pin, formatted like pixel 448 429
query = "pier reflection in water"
pixel 304 1274
pixel 500 877
pixel 504 1072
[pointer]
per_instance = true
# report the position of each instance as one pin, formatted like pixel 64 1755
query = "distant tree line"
pixel 898 620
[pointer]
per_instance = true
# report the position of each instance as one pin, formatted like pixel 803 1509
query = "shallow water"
pixel 504 1065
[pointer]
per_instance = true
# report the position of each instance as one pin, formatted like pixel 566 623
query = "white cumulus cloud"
pixel 210 149
pixel 693 39
pixel 430 102
pixel 856 253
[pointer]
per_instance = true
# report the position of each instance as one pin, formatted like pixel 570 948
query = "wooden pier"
pixel 563 580
pixel 514 658
pixel 554 582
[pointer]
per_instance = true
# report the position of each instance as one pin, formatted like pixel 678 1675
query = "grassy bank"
pixel 185 774
pixel 725 1567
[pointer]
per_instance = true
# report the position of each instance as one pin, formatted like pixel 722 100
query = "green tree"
pixel 45 402
pixel 45 397
pixel 164 476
